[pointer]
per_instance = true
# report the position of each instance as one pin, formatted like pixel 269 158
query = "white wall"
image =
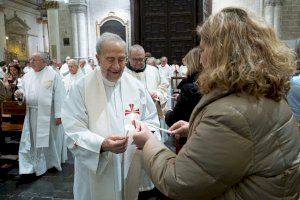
pixel 35 38
pixel 251 5
pixel 98 10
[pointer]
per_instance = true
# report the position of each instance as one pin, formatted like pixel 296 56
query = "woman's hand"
pixel 179 129
pixel 142 135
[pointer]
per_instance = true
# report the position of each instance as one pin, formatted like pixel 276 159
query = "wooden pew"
pixel 12 117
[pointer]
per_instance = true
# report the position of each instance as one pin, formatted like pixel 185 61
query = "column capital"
pixel 78 8
pixel 51 5
pixel 270 2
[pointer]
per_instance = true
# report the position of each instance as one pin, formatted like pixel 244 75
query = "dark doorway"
pixel 167 28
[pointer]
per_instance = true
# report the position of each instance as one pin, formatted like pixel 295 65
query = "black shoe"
pixel 27 178
pixel 52 170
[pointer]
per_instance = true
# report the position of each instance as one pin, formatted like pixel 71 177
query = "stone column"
pixel 2 34
pixel 75 35
pixel 277 16
pixel 82 35
pixel 269 11
pixel 45 34
pixel 53 25
pixel 79 28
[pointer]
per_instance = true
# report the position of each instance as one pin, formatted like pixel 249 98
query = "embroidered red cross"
pixel 132 110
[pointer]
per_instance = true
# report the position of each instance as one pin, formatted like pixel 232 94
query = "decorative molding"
pixel 51 5
pixel 78 8
pixel 42 20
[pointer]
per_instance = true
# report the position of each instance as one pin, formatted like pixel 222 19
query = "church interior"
pixel 70 29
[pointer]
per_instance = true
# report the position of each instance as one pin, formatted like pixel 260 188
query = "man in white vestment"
pixel 97 117
pixel 151 77
pixel 155 84
pixel 85 68
pixel 64 70
pixel 42 140
pixel 73 76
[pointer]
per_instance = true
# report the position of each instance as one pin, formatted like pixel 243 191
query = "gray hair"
pixel 82 61
pixel 44 56
pixel 136 47
pixel 72 62
pixel 108 37
pixel 151 60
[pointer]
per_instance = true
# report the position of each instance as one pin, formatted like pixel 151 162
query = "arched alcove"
pixel 113 24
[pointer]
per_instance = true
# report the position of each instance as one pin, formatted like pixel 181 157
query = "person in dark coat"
pixel 189 94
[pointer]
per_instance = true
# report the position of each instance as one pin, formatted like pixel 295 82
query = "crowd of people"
pixel 238 137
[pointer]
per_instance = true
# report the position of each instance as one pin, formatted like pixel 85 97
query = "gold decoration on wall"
pixel 51 5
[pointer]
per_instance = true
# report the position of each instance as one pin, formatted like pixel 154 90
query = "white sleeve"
pixel 84 144
pixel 149 114
pixel 58 96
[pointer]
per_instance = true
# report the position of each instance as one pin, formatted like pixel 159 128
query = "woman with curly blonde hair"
pixel 243 141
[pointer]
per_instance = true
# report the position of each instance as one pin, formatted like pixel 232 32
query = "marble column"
pixel 269 11
pixel 277 16
pixel 82 35
pixel 2 34
pixel 45 34
pixel 53 25
pixel 75 35
pixel 79 28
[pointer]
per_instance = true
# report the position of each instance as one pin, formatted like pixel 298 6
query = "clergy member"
pixel 74 74
pixel 64 70
pixel 151 77
pixel 97 116
pixel 41 145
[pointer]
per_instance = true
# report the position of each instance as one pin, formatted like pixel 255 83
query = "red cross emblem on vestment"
pixel 131 110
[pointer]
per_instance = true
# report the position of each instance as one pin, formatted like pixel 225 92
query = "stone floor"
pixel 51 186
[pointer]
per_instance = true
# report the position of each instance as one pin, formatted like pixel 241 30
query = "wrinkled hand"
pixel 174 96
pixel 142 135
pixel 18 94
pixel 115 144
pixel 154 96
pixel 179 129
pixel 57 121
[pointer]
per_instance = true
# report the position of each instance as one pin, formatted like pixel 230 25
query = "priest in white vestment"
pixel 64 70
pixel 42 140
pixel 97 117
pixel 85 68
pixel 74 74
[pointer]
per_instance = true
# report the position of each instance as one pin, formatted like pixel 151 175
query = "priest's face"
pixel 37 63
pixel 137 59
pixel 112 60
pixel 73 68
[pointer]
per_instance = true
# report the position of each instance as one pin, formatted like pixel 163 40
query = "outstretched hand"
pixel 115 144
pixel 179 129
pixel 142 135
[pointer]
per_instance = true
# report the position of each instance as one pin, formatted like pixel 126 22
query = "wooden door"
pixel 167 28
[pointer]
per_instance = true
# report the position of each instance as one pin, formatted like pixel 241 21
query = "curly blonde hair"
pixel 192 59
pixel 245 56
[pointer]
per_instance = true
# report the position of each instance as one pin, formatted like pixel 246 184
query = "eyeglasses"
pixel 138 59
pixel 34 60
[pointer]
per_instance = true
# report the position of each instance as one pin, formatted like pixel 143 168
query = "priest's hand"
pixel 154 96
pixel 142 135
pixel 179 129
pixel 57 121
pixel 115 144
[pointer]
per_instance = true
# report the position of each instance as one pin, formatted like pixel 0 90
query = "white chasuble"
pixel 41 145
pixel 94 109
